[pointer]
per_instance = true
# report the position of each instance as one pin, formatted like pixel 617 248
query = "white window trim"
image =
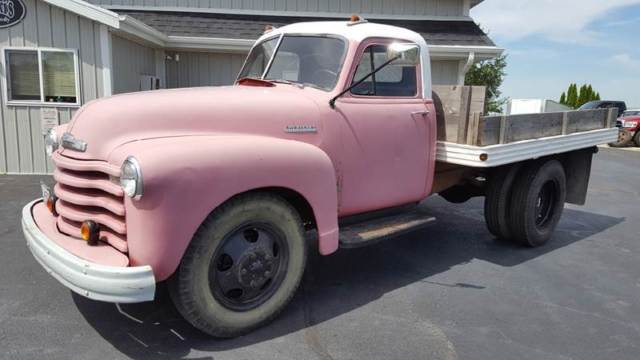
pixel 41 102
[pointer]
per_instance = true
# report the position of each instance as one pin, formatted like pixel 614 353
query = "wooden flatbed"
pixel 467 138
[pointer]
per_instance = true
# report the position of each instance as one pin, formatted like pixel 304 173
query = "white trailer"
pixel 534 106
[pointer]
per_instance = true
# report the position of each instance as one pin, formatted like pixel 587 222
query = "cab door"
pixel 384 133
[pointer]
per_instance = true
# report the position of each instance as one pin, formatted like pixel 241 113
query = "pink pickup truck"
pixel 213 189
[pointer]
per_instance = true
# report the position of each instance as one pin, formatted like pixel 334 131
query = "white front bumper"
pixel 95 281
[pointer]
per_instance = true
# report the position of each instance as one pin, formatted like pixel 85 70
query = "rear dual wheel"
pixel 242 267
pixel 525 206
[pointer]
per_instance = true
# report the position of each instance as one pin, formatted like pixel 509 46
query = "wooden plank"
pixel 489 130
pixel 578 121
pixel 532 126
pixel 612 117
pixel 508 129
pixel 463 113
pixel 478 94
pixel 473 129
pixel 448 102
pixel 503 130
pixel 454 104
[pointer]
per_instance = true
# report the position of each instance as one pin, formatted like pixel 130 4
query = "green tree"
pixel 575 97
pixel 489 73
pixel 583 94
pixel 572 96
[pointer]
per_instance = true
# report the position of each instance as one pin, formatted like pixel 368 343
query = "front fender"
pixel 185 178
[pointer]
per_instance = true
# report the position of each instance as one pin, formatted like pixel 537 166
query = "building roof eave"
pixel 132 26
pixel 443 52
pixel 244 45
pixel 89 11
pixel 205 43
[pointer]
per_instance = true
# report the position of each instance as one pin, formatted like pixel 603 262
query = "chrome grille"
pixel 85 192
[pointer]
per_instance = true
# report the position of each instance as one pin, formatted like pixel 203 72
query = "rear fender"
pixel 185 178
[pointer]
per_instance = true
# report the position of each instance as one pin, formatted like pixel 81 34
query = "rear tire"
pixel 242 266
pixel 537 202
pixel 496 202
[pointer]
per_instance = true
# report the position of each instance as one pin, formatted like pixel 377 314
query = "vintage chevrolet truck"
pixel 331 127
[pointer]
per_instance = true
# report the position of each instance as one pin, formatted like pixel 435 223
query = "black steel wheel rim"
pixel 546 204
pixel 249 266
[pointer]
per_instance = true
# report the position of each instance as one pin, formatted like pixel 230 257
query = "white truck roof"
pixel 350 30
pixel 359 31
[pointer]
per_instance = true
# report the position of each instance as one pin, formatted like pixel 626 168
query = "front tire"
pixel 537 202
pixel 636 138
pixel 242 266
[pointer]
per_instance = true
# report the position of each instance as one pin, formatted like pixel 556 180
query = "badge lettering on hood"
pixel 71 143
pixel 300 129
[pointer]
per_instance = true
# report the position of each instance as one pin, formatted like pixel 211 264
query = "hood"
pixel 108 123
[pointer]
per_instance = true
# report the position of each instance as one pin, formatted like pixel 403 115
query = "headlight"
pixel 51 142
pixel 131 177
pixel 630 124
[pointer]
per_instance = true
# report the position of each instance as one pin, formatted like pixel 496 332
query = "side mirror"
pixel 403 54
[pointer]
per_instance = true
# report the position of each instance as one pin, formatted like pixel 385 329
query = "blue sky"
pixel 552 43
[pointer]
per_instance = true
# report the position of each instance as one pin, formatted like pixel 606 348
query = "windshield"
pixel 591 105
pixel 310 60
pixel 631 113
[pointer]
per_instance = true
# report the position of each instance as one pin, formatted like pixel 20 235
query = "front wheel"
pixel 537 202
pixel 242 267
pixel 636 139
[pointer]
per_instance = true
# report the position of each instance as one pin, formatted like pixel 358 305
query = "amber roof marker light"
pixel 356 19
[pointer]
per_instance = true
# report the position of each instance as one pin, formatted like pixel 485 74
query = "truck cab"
pixel 213 189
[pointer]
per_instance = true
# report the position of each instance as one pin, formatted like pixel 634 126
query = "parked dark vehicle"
pixel 605 104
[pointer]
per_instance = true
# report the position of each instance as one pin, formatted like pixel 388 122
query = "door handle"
pixel 420 115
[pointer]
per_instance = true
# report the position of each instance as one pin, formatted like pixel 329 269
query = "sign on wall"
pixel 48 119
pixel 11 12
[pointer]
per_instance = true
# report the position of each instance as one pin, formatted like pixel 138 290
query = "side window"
pixel 393 80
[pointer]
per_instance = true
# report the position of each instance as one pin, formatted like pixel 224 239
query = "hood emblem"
pixel 71 143
pixel 300 129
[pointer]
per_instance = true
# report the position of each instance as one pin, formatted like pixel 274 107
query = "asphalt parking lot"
pixel 446 292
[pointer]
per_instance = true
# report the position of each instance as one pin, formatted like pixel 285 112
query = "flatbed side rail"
pixel 502 154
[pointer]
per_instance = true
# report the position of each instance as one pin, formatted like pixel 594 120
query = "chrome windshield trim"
pixel 273 56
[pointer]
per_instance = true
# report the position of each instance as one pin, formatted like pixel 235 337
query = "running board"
pixel 374 230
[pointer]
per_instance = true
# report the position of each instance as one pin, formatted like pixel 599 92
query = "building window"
pixel 41 76
pixel 393 80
